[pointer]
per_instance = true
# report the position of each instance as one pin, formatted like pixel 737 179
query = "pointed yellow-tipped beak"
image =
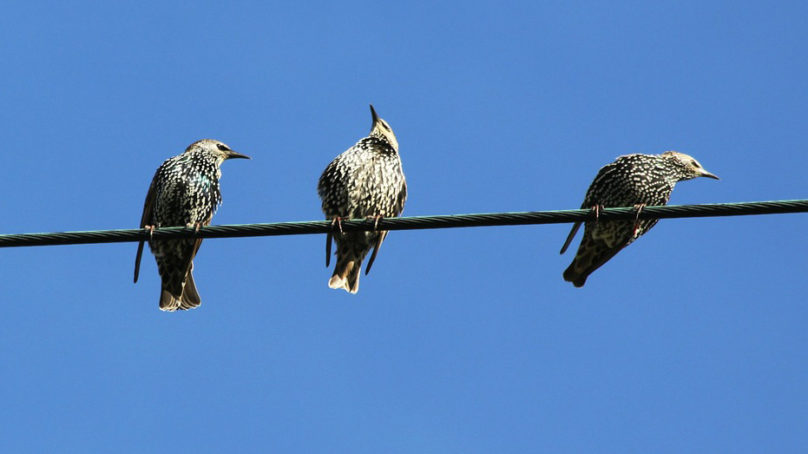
pixel 232 154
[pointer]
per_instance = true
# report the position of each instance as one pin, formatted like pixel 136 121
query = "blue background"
pixel 693 339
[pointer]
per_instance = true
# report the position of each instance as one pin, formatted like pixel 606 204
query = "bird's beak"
pixel 373 113
pixel 232 154
pixel 707 174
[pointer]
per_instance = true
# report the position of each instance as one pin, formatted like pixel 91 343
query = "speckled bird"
pixel 365 181
pixel 184 192
pixel 633 180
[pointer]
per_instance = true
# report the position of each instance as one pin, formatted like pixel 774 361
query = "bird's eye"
pixel 695 164
pixel 222 147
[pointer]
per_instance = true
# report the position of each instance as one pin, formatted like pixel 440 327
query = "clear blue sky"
pixel 468 340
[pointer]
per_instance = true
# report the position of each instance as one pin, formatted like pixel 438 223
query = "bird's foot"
pixel 194 225
pixel 639 208
pixel 150 229
pixel 596 209
pixel 338 222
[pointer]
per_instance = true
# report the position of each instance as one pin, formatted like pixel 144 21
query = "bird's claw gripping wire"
pixel 335 221
pixel 639 208
pixel 338 222
pixel 150 229
pixel 596 209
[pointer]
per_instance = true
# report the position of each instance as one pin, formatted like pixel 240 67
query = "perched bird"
pixel 364 181
pixel 183 192
pixel 632 180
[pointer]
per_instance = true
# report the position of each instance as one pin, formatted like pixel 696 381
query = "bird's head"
pixel 217 149
pixel 382 130
pixel 687 165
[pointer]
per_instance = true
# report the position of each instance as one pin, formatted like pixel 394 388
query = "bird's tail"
pixel 591 255
pixel 577 278
pixel 352 247
pixel 346 273
pixel 189 299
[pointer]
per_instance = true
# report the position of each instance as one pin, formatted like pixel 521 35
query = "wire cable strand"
pixel 406 223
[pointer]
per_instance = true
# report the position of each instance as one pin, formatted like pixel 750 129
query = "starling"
pixel 183 192
pixel 632 180
pixel 365 181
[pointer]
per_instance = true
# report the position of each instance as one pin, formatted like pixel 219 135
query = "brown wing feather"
pixel 399 208
pixel 190 296
pixel 591 256
pixel 402 197
pixel 376 247
pixel 574 230
pixel 197 243
pixel 328 249
pixel 145 219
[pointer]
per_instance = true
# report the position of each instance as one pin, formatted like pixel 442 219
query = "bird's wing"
pixel 376 247
pixel 145 219
pixel 574 230
pixel 197 243
pixel 577 225
pixel 328 239
pixel 592 254
pixel 399 208
pixel 402 197
pixel 328 179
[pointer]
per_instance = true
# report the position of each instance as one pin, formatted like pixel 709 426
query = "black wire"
pixel 407 223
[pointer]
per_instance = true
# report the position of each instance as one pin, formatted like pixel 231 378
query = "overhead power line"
pixel 406 223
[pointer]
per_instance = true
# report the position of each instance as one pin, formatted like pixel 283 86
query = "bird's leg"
pixel 338 222
pixel 150 229
pixel 194 225
pixel 596 209
pixel 639 208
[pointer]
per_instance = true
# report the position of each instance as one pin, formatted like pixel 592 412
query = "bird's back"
pixel 630 180
pixel 365 180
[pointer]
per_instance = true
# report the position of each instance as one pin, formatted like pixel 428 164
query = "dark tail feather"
pixel 190 296
pixel 346 274
pixel 187 299
pixel 352 247
pixel 577 279
pixel 137 260
pixel 168 302
pixel 591 255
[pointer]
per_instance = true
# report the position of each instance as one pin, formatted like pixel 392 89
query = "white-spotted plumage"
pixel 366 180
pixel 631 180
pixel 184 192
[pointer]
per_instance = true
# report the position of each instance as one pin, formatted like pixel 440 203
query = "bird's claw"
pixel 150 229
pixel 639 208
pixel 338 222
pixel 596 209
